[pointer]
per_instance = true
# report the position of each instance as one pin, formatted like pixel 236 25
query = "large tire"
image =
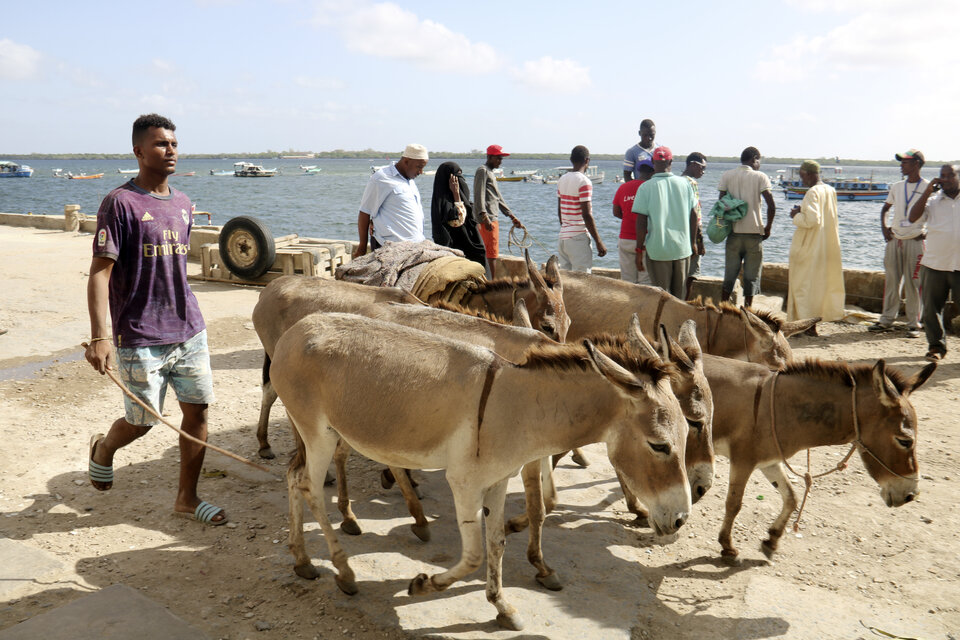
pixel 246 247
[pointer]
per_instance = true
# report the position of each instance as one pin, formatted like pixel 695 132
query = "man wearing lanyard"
pixel 905 243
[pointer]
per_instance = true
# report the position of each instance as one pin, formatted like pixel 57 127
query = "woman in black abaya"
pixel 451 213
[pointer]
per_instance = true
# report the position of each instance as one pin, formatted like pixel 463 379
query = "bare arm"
pixel 694 227
pixel 617 213
pixel 887 234
pixel 100 352
pixel 559 215
pixel 586 210
pixel 916 211
pixel 641 238
pixel 771 211
pixel 363 228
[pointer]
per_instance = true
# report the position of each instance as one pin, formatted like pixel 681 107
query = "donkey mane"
pixel 502 284
pixel 468 311
pixel 575 357
pixel 836 370
pixel 728 308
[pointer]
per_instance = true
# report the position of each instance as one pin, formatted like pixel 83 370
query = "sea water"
pixel 325 204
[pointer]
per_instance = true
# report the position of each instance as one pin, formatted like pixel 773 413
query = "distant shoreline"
pixel 370 154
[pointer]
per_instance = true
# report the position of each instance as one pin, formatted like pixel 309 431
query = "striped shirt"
pixel 573 189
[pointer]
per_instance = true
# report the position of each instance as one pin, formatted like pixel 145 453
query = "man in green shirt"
pixel 666 219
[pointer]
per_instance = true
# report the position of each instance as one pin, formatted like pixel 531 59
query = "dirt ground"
pixel 854 564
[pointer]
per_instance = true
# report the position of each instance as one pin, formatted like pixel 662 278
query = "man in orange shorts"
pixel 488 202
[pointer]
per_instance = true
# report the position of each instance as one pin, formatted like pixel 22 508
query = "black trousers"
pixel 934 288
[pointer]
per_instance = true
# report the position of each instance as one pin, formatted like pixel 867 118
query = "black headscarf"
pixel 442 210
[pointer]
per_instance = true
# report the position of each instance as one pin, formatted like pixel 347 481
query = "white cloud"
pixel 385 30
pixel 323 83
pixel 18 61
pixel 552 75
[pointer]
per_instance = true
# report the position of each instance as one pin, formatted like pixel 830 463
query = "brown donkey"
pixel 762 418
pixel 345 376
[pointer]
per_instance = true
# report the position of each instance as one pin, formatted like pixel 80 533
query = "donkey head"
pixel 647 445
pixel 888 432
pixel 544 300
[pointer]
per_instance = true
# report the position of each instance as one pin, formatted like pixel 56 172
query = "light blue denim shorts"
pixel 147 370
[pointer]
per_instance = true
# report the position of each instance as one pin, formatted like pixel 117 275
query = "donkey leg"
pixel 267 397
pixel 320 450
pixel 777 476
pixel 557 457
pixel 549 487
pixel 580 459
pixel 419 527
pixel 467 500
pixel 735 488
pixel 633 505
pixel 507 615
pixel 530 474
pixel 349 525
pixel 295 483
pixel 534 474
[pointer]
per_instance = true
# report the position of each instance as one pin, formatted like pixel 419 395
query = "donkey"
pixel 764 417
pixel 344 376
pixel 597 304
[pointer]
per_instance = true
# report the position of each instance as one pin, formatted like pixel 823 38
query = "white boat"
pixel 250 170
pixel 128 171
pixel 596 176
pixel 524 172
pixel 307 167
pixel 13 170
pixel 214 172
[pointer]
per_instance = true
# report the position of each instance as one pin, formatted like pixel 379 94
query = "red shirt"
pixel 624 199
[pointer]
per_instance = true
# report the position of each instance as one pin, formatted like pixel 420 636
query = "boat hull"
pixel 797 194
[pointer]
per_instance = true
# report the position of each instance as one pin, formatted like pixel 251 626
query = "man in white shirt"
pixel 391 209
pixel 744 245
pixel 901 259
pixel 940 265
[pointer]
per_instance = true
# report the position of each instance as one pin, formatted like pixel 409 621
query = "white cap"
pixel 415 152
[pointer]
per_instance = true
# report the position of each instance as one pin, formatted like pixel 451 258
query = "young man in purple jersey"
pixel 139 272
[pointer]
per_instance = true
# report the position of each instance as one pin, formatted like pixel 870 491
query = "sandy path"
pixel 853 560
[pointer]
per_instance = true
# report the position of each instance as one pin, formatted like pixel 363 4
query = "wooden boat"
pixel 83 176
pixel 847 188
pixel 250 170
pixel 13 170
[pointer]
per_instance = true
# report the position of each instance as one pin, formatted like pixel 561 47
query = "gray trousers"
pixel 627 250
pixel 935 286
pixel 669 275
pixel 901 263
pixel 743 249
pixel 576 253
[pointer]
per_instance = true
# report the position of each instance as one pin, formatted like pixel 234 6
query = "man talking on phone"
pixel 940 265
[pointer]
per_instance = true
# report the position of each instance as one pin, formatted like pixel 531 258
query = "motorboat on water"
pixel 847 188
pixel 310 169
pixel 128 171
pixel 13 170
pixel 525 173
pixel 214 172
pixel 83 176
pixel 250 170
pixel 499 175
pixel 184 175
pixel 596 176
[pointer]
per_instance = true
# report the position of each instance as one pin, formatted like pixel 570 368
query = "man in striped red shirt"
pixel 574 209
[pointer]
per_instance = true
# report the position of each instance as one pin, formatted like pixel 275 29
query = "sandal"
pixel 205 513
pixel 101 476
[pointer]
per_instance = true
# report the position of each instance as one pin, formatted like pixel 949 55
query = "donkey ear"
pixel 888 394
pixel 919 378
pixel 533 273
pixel 753 322
pixel 678 356
pixel 798 326
pixel 620 377
pixel 521 316
pixel 552 272
pixel 688 339
pixel 638 341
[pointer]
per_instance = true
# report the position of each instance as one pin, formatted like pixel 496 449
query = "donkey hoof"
pixel 386 479
pixel 266 453
pixel 550 581
pixel 350 527
pixel 578 459
pixel 510 621
pixel 768 548
pixel 422 531
pixel 731 559
pixel 306 571
pixel 349 587
pixel 418 586
pixel 641 522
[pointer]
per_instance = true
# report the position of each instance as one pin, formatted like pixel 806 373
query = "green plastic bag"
pixel 724 213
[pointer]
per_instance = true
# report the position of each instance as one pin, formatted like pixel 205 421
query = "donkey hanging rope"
pixel 182 433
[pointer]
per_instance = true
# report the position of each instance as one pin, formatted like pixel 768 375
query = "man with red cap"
pixel 488 203
pixel 666 222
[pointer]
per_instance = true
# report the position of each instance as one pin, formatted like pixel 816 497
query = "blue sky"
pixel 854 78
